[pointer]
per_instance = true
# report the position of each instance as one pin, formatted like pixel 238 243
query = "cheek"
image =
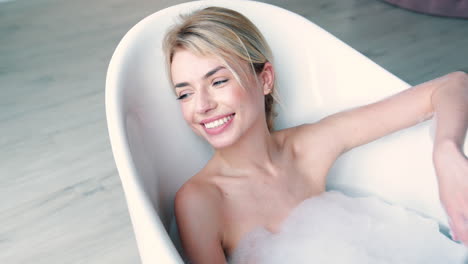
pixel 249 98
pixel 230 97
pixel 186 112
pixel 238 95
pixel 188 116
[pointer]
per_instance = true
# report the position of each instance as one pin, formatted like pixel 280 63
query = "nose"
pixel 204 102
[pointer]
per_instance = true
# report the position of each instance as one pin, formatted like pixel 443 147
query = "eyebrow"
pixel 206 76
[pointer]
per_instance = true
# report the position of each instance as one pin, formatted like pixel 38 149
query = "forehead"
pixel 187 65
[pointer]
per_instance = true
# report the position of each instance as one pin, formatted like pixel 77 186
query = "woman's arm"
pixel 364 124
pixel 199 223
pixel 361 125
pixel 446 96
pixel 346 130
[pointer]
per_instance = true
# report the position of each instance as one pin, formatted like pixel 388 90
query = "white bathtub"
pixel 156 152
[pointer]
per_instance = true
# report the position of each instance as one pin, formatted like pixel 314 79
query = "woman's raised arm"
pixel 446 94
pixel 446 98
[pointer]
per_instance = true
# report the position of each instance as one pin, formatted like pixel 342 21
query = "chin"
pixel 220 142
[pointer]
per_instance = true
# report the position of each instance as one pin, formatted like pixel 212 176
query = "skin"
pixel 256 177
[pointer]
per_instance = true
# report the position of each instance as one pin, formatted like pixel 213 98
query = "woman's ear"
pixel 267 78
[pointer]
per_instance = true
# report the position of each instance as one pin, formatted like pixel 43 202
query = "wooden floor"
pixel 61 197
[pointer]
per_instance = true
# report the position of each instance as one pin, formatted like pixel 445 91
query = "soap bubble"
pixel 334 228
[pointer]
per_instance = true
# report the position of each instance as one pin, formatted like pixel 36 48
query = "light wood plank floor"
pixel 61 197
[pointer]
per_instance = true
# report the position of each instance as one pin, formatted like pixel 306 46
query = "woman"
pixel 222 72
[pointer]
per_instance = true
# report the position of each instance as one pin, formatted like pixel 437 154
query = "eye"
pixel 218 83
pixel 183 96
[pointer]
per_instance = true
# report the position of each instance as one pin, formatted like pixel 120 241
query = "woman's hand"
pixel 452 172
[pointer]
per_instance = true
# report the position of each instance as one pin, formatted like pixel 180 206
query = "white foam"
pixel 334 228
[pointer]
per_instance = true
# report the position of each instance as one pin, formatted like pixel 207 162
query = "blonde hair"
pixel 231 37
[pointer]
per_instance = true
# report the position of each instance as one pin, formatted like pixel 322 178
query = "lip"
pixel 220 129
pixel 204 121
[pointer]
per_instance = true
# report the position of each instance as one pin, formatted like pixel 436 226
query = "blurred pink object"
pixel 452 8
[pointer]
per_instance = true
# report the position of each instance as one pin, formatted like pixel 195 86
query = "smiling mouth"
pixel 219 122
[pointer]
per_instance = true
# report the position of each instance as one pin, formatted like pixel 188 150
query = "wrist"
pixel 446 149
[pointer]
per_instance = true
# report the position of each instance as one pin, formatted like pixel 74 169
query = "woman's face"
pixel 213 102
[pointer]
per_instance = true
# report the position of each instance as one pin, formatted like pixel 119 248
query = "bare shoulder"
pixel 314 150
pixel 197 195
pixel 312 139
pixel 197 209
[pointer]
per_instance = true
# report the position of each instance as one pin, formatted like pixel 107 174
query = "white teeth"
pixel 218 122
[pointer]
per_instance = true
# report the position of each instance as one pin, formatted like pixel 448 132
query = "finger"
pixel 459 228
pixel 463 236
pixel 452 229
pixel 457 212
pixel 456 222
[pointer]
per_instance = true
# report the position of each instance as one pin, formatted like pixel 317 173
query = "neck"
pixel 255 150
